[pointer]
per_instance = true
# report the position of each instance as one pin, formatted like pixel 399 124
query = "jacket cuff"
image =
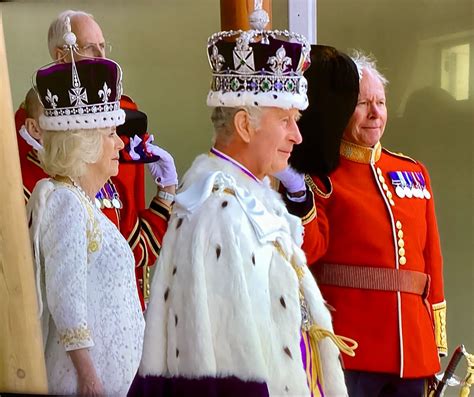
pixel 161 209
pixel 306 210
pixel 76 338
pixel 439 319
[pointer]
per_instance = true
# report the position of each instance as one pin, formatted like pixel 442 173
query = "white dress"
pixel 88 298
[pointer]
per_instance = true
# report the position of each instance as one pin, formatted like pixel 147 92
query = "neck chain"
pixel 68 180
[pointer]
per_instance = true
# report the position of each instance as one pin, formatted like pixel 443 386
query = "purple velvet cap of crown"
pixel 267 72
pixel 81 95
pixel 261 55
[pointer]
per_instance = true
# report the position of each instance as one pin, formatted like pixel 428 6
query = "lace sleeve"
pixel 64 252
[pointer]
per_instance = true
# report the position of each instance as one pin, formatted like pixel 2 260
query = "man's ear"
pixel 33 129
pixel 242 126
pixel 58 55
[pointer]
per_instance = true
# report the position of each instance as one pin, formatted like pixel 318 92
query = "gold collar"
pixel 360 154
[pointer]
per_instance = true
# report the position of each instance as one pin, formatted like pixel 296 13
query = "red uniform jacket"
pixel 365 223
pixel 142 227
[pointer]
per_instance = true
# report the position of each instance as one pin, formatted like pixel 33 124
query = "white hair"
pixel 57 29
pixel 68 152
pixel 368 62
pixel 223 118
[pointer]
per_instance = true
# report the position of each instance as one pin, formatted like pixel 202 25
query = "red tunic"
pixel 395 330
pixel 142 227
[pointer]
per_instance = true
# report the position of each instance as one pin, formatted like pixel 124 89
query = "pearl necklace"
pixel 81 190
pixel 68 180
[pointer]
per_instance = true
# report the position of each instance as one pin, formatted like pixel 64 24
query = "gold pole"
pixel 22 368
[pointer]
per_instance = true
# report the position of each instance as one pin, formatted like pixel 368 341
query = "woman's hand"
pixel 90 386
pixel 88 383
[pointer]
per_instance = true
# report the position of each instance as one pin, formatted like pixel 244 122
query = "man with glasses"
pixel 123 197
pixel 90 39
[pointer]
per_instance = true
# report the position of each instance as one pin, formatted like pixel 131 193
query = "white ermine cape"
pixel 224 300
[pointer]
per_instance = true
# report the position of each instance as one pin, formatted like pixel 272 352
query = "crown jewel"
pixel 80 95
pixel 261 68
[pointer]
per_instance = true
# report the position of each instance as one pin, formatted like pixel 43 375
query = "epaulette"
pixel 401 155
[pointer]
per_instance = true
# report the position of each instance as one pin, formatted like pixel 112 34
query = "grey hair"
pixel 33 105
pixel 57 29
pixel 367 61
pixel 223 117
pixel 67 153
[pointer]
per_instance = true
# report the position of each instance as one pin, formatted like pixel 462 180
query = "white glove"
pixel 163 170
pixel 134 142
pixel 292 180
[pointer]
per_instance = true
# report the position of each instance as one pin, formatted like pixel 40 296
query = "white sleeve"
pixel 65 258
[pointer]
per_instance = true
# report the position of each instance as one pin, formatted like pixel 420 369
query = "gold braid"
pixel 316 333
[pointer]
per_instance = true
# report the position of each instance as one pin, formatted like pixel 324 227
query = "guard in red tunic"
pixel 376 253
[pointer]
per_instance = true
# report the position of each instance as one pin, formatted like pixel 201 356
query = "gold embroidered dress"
pixel 86 289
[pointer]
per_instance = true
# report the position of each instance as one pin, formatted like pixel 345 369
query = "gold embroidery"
pixel 404 156
pixel 439 318
pixel 360 154
pixel 93 232
pixel 74 336
pixel 309 181
pixel 309 216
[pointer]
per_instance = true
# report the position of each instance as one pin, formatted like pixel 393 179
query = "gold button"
pixel 401 243
pixel 398 225
pixel 147 271
pixel 402 260
pixel 385 187
pixel 400 234
pixel 389 195
pixel 392 203
pixel 401 252
pixel 379 171
pixel 381 179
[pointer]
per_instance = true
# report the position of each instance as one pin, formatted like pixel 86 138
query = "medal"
pixel 97 203
pixel 107 203
pixel 99 199
pixel 425 193
pixel 417 192
pixel 112 195
pixel 421 183
pixel 407 192
pixel 397 182
pixel 407 184
pixel 116 203
pixel 400 192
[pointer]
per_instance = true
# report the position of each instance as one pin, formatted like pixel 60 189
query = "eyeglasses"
pixel 94 49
